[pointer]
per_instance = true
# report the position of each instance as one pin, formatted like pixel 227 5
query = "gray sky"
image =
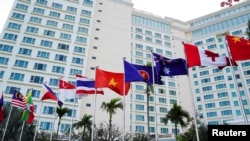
pixel 179 9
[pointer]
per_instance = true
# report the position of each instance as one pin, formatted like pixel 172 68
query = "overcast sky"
pixel 179 9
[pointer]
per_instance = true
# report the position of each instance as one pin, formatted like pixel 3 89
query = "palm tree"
pixel 60 112
pixel 111 107
pixel 248 30
pixel 85 122
pixel 176 115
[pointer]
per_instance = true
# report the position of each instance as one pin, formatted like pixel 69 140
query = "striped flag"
pixel 18 100
pixel 86 86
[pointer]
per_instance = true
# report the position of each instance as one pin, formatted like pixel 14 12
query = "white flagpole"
pixel 237 88
pixel 156 130
pixel 37 124
pixel 6 126
pixel 192 98
pixel 92 134
pixel 51 133
pixel 70 133
pixel 20 138
pixel 124 105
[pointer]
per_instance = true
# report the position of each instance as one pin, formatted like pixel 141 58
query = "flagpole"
pixel 156 130
pixel 72 118
pixel 37 124
pixel 237 88
pixel 124 105
pixel 92 134
pixel 7 123
pixel 51 133
pixel 193 105
pixel 20 138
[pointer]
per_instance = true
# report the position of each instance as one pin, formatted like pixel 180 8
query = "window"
pixel 139 117
pixel 88 2
pixel 21 6
pixel 210 105
pixel 57 5
pixel 36 79
pixel 162 100
pixel 172 92
pixel 81 39
pixel 10 36
pixel 220 86
pixel 1 74
pixel 226 112
pixel 65 36
pixel 72 9
pixel 138 46
pixel 64 127
pixel 16 76
pixel 222 94
pixel 139 37
pixel 207 88
pixel 25 51
pixel 77 60
pixel 53 82
pixel 70 17
pixel 48 110
pixel 21 63
pixel 61 57
pixel 205 80
pixel 47 126
pixel 67 26
pixel 6 48
pixel 58 69
pixel 63 46
pixel 54 14
pixel 208 96
pixel 42 2
pixel 75 71
pixel 148 32
pixel 218 78
pixel 38 10
pixel 29 40
pixel 43 54
pixel 163 110
pixel 138 30
pixel 211 114
pixel 49 33
pixel 14 26
pixel 32 29
pixel 224 103
pixel 35 20
pixel 71 113
pixel 139 107
pixel 11 90
pixel 46 43
pixel 86 12
pixel 79 49
pixel 172 101
pixel 18 16
pixel 83 30
pixel 39 66
pixel 158 35
pixel 52 23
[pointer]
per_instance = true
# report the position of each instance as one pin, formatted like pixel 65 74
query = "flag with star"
pixel 112 80
pixel 239 48
pixel 169 67
pixel 137 73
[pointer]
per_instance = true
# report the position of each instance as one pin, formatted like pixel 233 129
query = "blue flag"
pixel 139 73
pixel 170 67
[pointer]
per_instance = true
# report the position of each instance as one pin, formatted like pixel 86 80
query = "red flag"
pixel 199 57
pixel 239 48
pixel 66 90
pixel 1 109
pixel 111 80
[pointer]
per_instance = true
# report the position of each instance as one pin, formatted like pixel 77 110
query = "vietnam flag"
pixel 199 57
pixel 239 47
pixel 111 80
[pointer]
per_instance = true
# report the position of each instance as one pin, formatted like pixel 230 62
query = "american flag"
pixel 18 100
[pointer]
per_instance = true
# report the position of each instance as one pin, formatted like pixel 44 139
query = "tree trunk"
pixel 175 125
pixel 59 122
pixel 83 133
pixel 110 126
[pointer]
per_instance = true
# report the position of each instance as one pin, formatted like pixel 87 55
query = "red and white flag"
pixel 199 57
pixel 66 90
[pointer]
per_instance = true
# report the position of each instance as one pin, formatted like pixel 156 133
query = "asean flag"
pixel 199 57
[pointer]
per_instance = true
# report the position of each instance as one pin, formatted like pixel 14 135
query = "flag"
pixel 111 80
pixel 86 86
pixel 138 73
pixel 49 94
pixel 170 67
pixel 28 113
pixel 199 57
pixel 239 48
pixel 66 90
pixel 18 100
pixel 1 109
